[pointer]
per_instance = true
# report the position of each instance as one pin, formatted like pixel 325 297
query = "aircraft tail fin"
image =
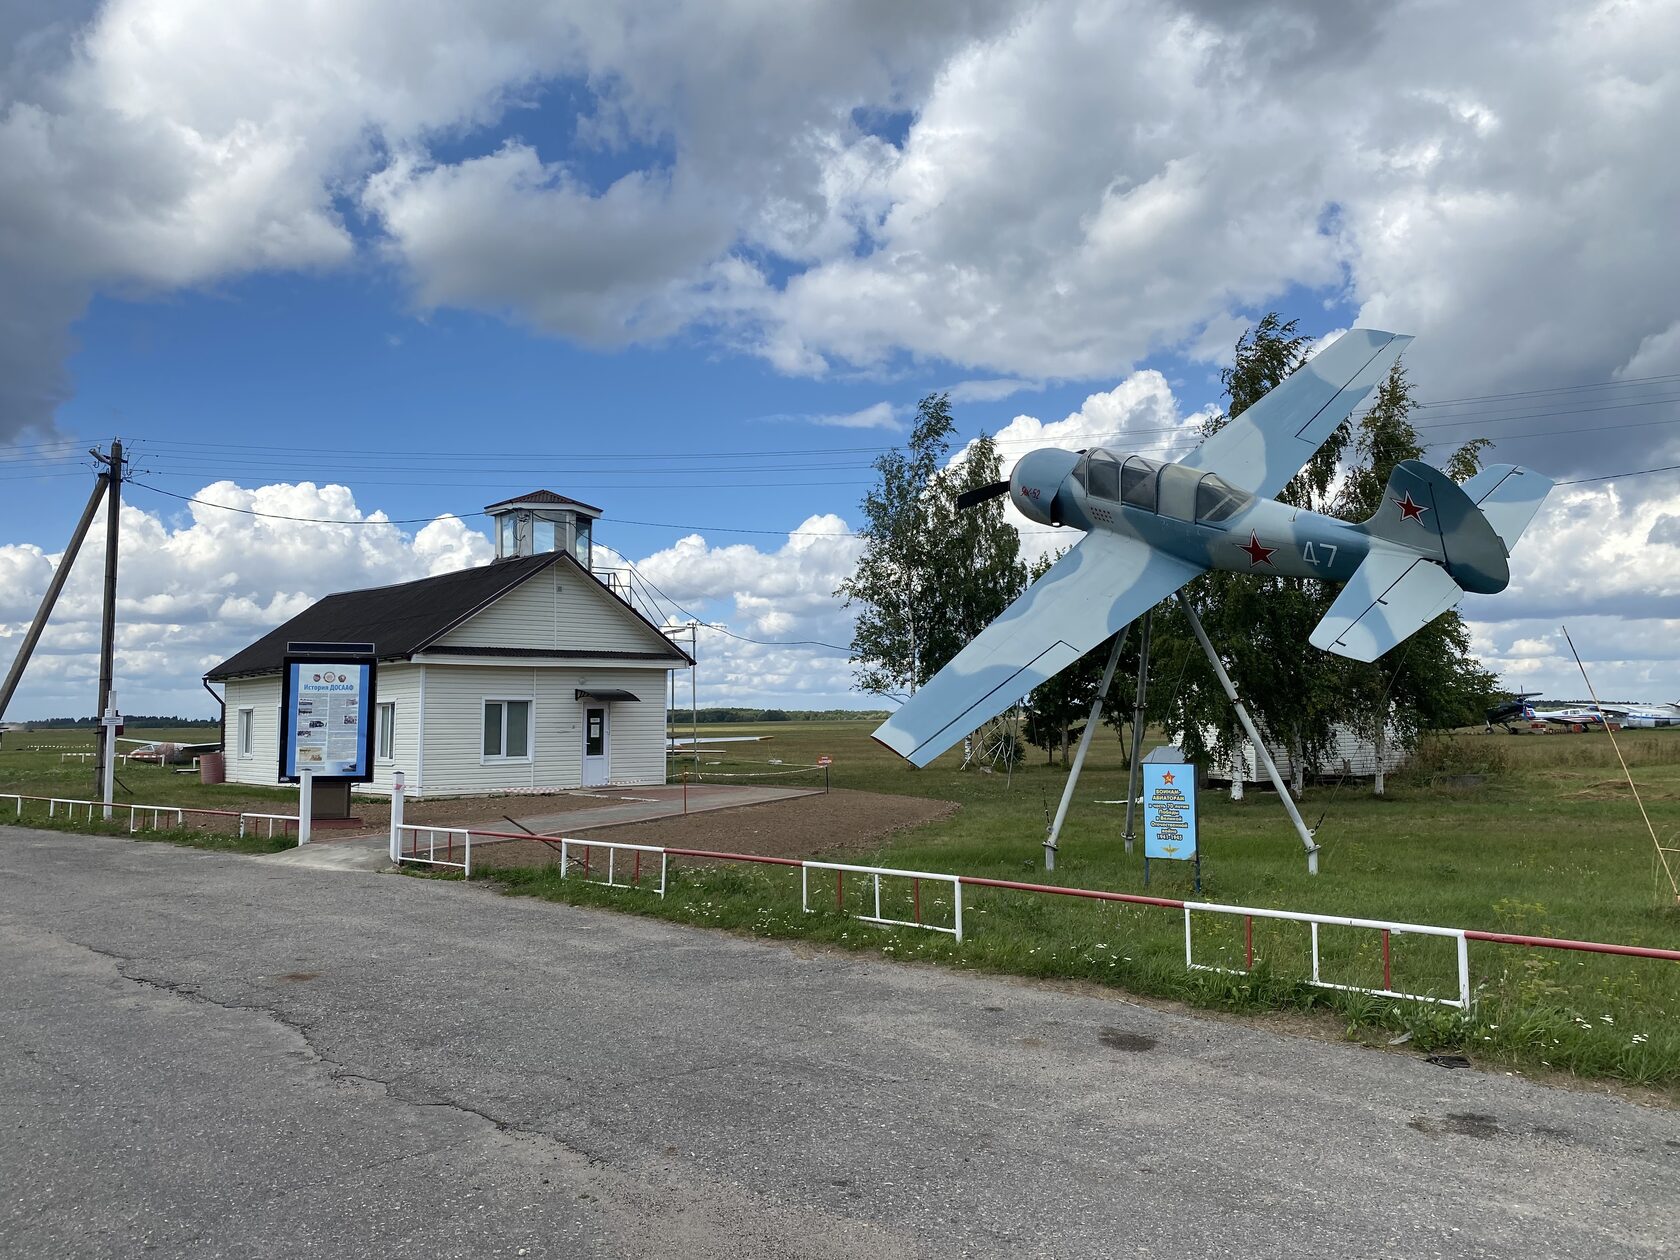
pixel 1432 541
pixel 1428 513
pixel 1509 497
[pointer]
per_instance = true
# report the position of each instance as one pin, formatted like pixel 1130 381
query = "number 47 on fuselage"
pixel 1152 526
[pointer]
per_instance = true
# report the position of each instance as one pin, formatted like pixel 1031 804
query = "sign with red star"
pixel 1410 511
pixel 1169 810
pixel 1258 553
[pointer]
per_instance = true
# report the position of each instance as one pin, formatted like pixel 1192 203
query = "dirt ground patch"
pixel 838 823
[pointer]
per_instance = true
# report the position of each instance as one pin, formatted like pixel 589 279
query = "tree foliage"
pixel 931 577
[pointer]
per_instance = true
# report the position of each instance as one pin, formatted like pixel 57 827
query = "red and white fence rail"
pixel 1314 922
pixel 582 858
pixel 414 843
pixel 875 874
pixel 145 817
pixel 634 856
pixel 430 837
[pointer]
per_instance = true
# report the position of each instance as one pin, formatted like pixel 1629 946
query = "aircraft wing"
pixel 1103 584
pixel 1270 442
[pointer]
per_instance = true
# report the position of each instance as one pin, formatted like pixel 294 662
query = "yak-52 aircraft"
pixel 1152 526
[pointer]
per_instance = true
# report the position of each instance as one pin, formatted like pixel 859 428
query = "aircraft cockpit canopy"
pixel 1138 482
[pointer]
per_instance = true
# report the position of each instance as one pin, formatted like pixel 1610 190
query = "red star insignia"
pixel 1410 511
pixel 1257 553
pixel 1166 776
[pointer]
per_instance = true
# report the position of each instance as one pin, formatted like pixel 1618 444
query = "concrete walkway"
pixel 618 807
pixel 643 804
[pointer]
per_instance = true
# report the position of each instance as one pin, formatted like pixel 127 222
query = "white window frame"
pixel 385 732
pixel 530 701
pixel 245 731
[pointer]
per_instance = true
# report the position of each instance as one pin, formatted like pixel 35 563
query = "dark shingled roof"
pixel 544 496
pixel 400 620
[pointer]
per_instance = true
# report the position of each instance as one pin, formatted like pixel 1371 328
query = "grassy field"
pixel 50 763
pixel 1548 843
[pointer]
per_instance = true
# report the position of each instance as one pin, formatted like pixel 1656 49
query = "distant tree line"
pixel 718 716
pixel 131 721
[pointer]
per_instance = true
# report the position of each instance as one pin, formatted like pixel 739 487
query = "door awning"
pixel 604 693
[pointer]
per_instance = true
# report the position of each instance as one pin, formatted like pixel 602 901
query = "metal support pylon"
pixel 1134 769
pixel 1079 757
pixel 1264 753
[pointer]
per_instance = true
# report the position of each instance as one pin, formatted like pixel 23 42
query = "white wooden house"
pixel 527 673
pixel 1350 755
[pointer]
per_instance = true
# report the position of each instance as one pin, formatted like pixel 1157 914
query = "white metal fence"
pixel 1314 922
pixel 614 866
pixel 875 873
pixel 431 835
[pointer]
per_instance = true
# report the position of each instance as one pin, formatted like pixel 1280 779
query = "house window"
pixel 247 732
pixel 387 718
pixel 510 546
pixel 507 730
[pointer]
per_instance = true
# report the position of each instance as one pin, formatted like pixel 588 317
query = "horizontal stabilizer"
pixel 1509 497
pixel 1103 584
pixel 1272 440
pixel 1389 598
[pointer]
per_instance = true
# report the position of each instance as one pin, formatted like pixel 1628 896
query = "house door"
pixel 595 734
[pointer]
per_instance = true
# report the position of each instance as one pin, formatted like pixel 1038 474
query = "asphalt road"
pixel 203 1054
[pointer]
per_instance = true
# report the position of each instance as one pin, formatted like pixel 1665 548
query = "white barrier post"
pixel 109 734
pixel 399 782
pixel 306 805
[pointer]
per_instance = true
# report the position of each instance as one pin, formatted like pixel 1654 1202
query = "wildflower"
pixel 1607 1019
pixel 1640 1039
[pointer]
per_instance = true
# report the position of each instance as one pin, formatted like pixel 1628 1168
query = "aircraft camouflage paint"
pixel 1151 527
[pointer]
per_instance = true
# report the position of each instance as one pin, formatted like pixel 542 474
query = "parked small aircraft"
pixel 165 753
pixel 1643 715
pixel 1152 526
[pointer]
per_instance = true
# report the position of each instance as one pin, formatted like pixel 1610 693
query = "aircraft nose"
pixel 1036 481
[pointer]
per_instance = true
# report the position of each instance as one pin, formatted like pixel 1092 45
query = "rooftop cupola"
pixel 542 521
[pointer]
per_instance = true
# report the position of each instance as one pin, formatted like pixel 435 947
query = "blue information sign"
pixel 1169 810
pixel 326 718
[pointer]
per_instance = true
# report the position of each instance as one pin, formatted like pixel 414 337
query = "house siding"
pixel 455 696
pixel 1349 755
pixel 262 695
pixel 399 684
pixel 557 609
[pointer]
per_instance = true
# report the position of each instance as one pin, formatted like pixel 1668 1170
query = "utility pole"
pixel 108 621
pixel 59 577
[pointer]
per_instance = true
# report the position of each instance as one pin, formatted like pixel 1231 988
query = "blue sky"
pixel 323 363
pixel 697 267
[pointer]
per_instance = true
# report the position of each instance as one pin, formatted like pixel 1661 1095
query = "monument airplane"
pixel 1150 527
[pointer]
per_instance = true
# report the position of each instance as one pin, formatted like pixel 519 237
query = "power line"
pixel 718 529
pixel 706 625
pixel 427 520
pixel 1638 472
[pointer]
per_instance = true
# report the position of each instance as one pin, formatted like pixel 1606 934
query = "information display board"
pixel 1169 810
pixel 327 703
